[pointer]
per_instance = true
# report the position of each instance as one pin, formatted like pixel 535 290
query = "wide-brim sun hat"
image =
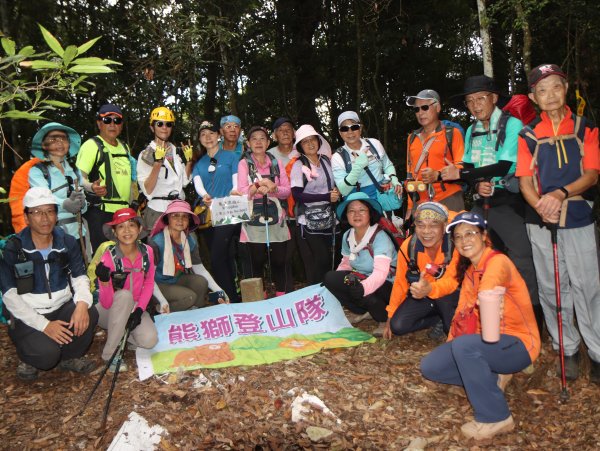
pixel 468 217
pixel 341 209
pixel 36 143
pixel 307 130
pixel 120 216
pixel 478 83
pixel 176 206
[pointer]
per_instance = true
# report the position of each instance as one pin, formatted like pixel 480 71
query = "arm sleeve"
pixel 200 186
pixel 200 270
pixel 162 300
pixel 344 264
pixel 344 181
pixel 148 284
pixel 381 269
pixel 472 175
pixel 302 197
pixel 242 177
pixel 234 181
pixel 143 172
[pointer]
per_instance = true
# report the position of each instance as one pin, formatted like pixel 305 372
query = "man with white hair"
pixel 46 292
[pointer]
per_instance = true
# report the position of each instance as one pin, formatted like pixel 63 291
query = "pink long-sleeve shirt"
pixel 143 283
pixel 244 182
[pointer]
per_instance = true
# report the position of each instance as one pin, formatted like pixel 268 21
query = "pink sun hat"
pixel 177 206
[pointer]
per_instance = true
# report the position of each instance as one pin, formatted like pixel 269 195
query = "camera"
pixel 353 278
pixel 413 274
pixel 118 279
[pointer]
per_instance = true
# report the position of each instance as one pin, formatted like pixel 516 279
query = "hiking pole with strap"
pixel 118 353
pixel 564 395
pixel 266 220
pixel 80 230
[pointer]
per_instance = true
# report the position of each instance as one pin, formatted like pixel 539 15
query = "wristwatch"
pixel 564 190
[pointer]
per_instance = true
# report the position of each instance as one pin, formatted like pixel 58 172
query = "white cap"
pixel 36 196
pixel 348 115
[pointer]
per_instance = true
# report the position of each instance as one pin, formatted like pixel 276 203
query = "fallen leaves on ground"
pixel 375 390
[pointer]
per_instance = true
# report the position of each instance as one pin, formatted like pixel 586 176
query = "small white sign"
pixel 229 210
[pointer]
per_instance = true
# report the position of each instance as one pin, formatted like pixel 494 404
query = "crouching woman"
pixel 126 281
pixel 512 341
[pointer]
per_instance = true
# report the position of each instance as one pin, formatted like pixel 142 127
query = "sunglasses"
pixel 109 120
pixel 163 124
pixel 416 109
pixel 347 128
pixel 213 165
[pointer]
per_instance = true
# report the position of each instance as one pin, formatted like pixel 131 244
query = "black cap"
pixel 280 121
pixel 108 109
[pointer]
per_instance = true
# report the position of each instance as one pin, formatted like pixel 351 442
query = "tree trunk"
pixel 526 35
pixel 359 59
pixel 486 43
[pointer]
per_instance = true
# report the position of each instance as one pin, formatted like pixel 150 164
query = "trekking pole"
pixel 80 229
pixel 266 220
pixel 564 395
pixel 118 353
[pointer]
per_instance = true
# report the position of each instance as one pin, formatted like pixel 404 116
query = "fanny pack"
pixel 257 217
pixel 319 217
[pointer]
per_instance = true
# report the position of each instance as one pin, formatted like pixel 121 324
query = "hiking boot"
pixel 571 367
pixel 26 372
pixel 483 431
pixel 436 333
pixel 113 366
pixel 503 380
pixel 595 372
pixel 378 332
pixel 78 365
pixel 356 318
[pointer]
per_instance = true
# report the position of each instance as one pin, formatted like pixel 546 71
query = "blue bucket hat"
pixel 36 143
pixel 341 209
pixel 468 217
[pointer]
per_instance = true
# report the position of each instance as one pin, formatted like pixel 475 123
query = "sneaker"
pixel 483 431
pixel 78 365
pixel 436 333
pixel 595 372
pixel 356 318
pixel 571 367
pixel 113 366
pixel 378 332
pixel 27 372
pixel 503 380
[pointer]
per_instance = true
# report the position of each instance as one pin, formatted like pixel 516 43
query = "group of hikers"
pixel 534 180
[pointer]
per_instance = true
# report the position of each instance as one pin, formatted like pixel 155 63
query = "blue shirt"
pixel 363 263
pixel 218 183
pixel 239 148
pixel 159 241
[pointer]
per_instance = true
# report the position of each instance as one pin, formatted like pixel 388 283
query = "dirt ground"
pixel 375 390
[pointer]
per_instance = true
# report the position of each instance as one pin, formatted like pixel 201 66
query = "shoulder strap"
pixel 449 133
pixel 323 159
pixel 145 258
pixel 345 158
pixel 251 165
pixel 501 129
pixel 447 248
pixel 43 167
pixel 373 149
pixel 372 240
pixel 412 249
pixel 274 168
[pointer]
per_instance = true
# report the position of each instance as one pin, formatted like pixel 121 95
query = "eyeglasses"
pixel 163 124
pixel 40 213
pixel 476 100
pixel 109 120
pixel 56 139
pixel 416 109
pixel 467 236
pixel 213 165
pixel 362 211
pixel 347 128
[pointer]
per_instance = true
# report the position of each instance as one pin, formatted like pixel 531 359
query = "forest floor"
pixel 375 390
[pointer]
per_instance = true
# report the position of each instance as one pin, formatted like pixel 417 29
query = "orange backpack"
pixel 290 200
pixel 18 187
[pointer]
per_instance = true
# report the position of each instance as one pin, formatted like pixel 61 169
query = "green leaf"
pixel 16 114
pixel 56 103
pixel 79 80
pixel 83 69
pixel 9 46
pixel 27 51
pixel 94 61
pixel 2 190
pixel 43 64
pixel 86 46
pixel 52 42
pixel 70 53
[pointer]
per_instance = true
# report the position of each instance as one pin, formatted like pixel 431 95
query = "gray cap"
pixel 348 115
pixel 425 94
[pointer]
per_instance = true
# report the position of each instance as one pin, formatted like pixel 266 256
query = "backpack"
pixel 19 186
pixel 4 314
pixel 415 246
pixel 94 174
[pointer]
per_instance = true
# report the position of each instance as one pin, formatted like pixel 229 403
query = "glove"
pixel 188 153
pixel 118 279
pixel 103 272
pixel 356 291
pixel 135 318
pixel 75 202
pixel 359 165
pixel 159 153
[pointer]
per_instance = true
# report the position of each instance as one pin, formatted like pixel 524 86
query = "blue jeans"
pixel 469 361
